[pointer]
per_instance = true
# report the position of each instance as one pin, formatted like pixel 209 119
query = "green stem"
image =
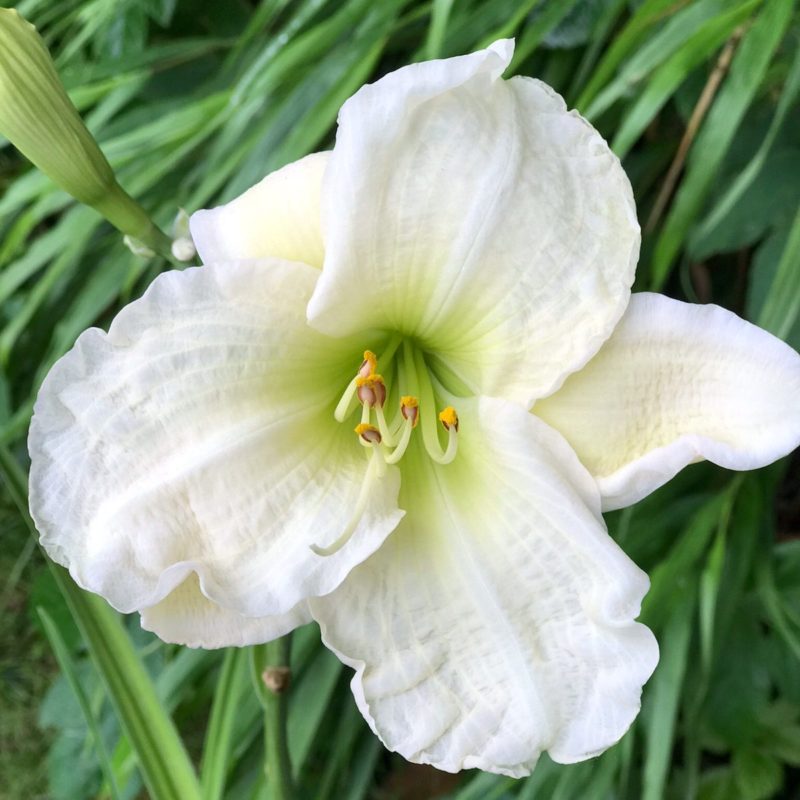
pixel 128 217
pixel 275 678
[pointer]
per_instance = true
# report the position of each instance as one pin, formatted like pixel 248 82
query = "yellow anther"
pixel 371 391
pixel 368 365
pixel 409 408
pixel 369 433
pixel 449 418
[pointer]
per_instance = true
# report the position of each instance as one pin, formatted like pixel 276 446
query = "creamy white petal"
pixel 480 216
pixel 497 620
pixel 186 616
pixel 279 217
pixel 198 435
pixel 677 383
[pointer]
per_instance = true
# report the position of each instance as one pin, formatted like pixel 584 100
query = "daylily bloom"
pixel 395 400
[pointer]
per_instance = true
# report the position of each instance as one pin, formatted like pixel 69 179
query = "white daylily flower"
pixel 198 463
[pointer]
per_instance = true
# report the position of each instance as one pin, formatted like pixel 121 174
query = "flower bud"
pixel 38 118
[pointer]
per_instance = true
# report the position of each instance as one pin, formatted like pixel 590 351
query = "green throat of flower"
pixel 388 439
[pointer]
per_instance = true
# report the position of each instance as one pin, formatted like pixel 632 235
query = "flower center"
pixel 390 438
pixel 387 439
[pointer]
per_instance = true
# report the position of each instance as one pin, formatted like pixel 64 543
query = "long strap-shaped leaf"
pixel 234 678
pixel 164 763
pixel 65 662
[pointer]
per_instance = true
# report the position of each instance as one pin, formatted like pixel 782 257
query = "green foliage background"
pixel 193 102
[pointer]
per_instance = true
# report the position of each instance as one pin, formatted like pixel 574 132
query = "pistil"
pixel 375 471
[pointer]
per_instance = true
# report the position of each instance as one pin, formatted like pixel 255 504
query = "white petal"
pixel 479 216
pixel 497 621
pixel 198 435
pixel 277 218
pixel 677 383
pixel 186 616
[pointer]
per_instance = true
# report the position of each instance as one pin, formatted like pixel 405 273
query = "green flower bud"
pixel 37 117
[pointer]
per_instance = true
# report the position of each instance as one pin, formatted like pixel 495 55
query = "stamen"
pixel 374 472
pixel 368 365
pixel 409 408
pixel 345 405
pixel 383 426
pixel 371 391
pixel 449 418
pixel 369 433
pixel 367 369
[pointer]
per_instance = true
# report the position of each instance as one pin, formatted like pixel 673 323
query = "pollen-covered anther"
pixel 368 366
pixel 369 433
pixel 449 418
pixel 371 391
pixel 409 408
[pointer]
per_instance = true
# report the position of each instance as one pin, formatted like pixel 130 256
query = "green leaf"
pixel 308 701
pixel 683 19
pixel 758 776
pixel 510 24
pixel 72 769
pixel 164 763
pixel 717 132
pixel 678 571
pixel 537 28
pixel 774 605
pixel 711 580
pixel 597 42
pixel 339 753
pixel 440 11
pixel 697 48
pixel 64 658
pixel 485 786
pixel 729 203
pixel 231 685
pixel 766 204
pixel 717 784
pixel 784 744
pixel 363 768
pixel 782 304
pixel 664 694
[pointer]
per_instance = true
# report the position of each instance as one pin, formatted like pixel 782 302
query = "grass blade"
pixel 164 763
pixel 744 79
pixel 665 694
pixel 782 304
pixel 234 677
pixel 62 654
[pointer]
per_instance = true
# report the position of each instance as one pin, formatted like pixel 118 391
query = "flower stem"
pixel 128 217
pixel 276 677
